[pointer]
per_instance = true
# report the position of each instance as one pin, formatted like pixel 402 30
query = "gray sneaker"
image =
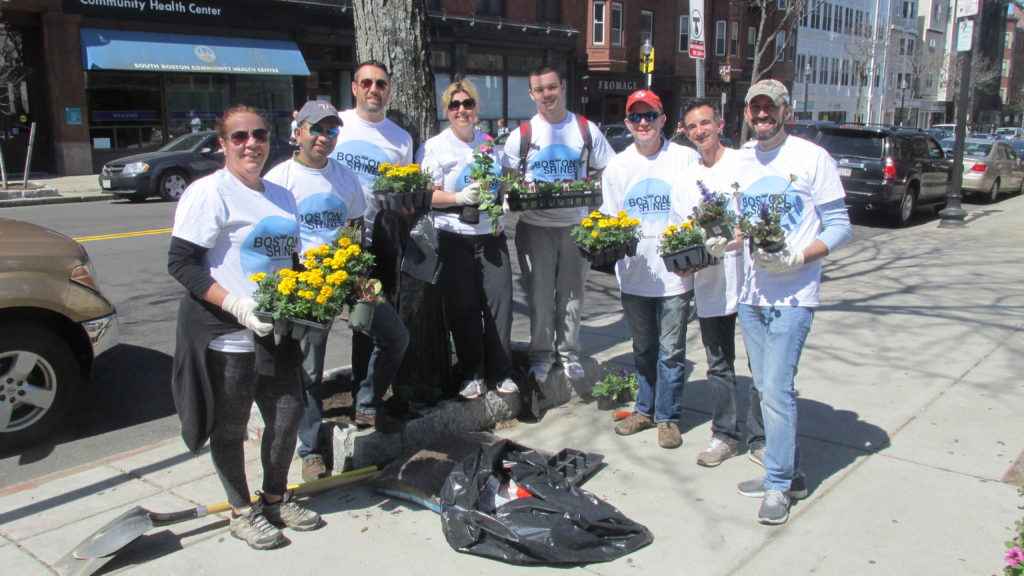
pixel 755 488
pixel 716 452
pixel 574 370
pixel 756 455
pixel 252 527
pixel 288 513
pixel 774 508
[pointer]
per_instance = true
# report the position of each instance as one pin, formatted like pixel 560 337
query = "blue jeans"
pixel 390 339
pixel 718 334
pixel 658 326
pixel 775 337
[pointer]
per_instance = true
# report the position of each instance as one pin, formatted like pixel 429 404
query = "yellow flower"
pixel 327 291
pixel 596 214
pixel 594 233
pixel 309 263
pixel 288 273
pixel 623 214
pixel 587 223
pixel 344 243
pixel 286 286
pixel 258 276
pixel 323 250
pixel 321 299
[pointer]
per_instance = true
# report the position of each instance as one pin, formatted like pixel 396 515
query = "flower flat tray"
pixel 609 255
pixel 691 258
pixel 296 328
pixel 398 201
pixel 549 200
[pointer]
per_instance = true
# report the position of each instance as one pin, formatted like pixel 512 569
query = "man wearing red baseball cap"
pixel 639 181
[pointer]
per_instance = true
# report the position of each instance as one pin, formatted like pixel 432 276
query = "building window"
pixel 598 32
pixel 828 18
pixel 719 37
pixel 846 73
pixel 490 7
pixel 616 24
pixel 549 11
pixel 646 26
pixel 684 33
pixel 835 71
pixel 848 22
pixel 734 38
pixel 823 71
pixel 780 46
pixel 781 5
pixel 751 42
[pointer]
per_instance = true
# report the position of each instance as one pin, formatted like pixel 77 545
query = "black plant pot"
pixel 689 258
pixel 770 247
pixel 606 402
pixel 718 228
pixel 295 328
pixel 609 255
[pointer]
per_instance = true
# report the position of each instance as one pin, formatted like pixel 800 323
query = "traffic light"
pixel 647 62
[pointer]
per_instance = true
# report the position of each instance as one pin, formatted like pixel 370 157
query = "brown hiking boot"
pixel 379 421
pixel 313 467
pixel 635 422
pixel 668 435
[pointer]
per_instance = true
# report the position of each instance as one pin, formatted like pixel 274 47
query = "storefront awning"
pixel 152 52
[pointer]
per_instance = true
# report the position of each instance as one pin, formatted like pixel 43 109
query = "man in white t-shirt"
pixel 370 138
pixel 717 287
pixel 552 267
pixel 329 197
pixel 639 181
pixel 780 289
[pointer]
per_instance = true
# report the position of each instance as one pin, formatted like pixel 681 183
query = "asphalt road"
pixel 128 403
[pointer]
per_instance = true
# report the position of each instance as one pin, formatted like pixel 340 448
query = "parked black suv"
pixel 888 167
pixel 807 129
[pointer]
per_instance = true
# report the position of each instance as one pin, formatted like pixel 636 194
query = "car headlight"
pixel 135 168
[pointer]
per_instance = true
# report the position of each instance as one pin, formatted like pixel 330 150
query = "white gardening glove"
pixel 243 308
pixel 716 246
pixel 469 195
pixel 786 259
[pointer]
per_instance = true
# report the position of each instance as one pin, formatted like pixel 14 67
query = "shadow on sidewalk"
pixel 840 439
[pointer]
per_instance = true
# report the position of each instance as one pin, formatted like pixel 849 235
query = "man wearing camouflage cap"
pixel 780 289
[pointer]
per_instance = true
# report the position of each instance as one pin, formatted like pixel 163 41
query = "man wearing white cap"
pixel 655 302
pixel 329 197
pixel 780 289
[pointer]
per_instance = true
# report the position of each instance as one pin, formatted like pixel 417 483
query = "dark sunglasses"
pixel 468 104
pixel 242 136
pixel 651 116
pixel 318 130
pixel 367 83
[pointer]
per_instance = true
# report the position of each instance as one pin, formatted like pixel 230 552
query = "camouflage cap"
pixel 770 88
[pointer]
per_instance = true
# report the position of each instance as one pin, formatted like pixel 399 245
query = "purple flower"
pixel 623 372
pixel 1014 556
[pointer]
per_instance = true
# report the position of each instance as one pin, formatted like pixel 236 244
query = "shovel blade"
pixel 71 566
pixel 115 535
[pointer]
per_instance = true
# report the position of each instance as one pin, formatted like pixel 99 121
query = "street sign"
pixel 967 8
pixel 647 63
pixel 697 29
pixel 965 34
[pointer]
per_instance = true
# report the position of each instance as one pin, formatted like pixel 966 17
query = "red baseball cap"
pixel 645 96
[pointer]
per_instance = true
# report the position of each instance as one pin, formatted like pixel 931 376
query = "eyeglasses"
pixel 318 130
pixel 239 137
pixel 468 104
pixel 651 116
pixel 367 83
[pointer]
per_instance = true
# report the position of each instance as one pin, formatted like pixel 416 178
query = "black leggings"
pixel 236 385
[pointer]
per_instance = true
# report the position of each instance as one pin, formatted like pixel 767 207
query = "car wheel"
pixel 993 192
pixel 38 378
pixel 172 185
pixel 905 210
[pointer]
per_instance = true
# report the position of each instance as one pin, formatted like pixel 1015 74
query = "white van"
pixel 1010 132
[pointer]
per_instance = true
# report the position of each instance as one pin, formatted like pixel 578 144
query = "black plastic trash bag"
pixel 557 524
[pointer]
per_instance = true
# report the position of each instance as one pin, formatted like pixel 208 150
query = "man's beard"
pixel 766 135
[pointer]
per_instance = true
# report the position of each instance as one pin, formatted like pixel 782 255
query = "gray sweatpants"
pixel 554 272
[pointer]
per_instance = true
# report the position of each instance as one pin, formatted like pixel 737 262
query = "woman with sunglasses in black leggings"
pixel 228 226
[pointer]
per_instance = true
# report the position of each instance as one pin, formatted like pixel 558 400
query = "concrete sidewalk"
pixel 49 189
pixel 910 428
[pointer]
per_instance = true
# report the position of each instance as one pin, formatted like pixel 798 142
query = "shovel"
pixel 98 549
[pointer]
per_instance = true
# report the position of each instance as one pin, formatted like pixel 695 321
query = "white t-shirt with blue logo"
pixel 716 288
pixel 447 158
pixel 244 231
pixel 327 198
pixel 797 176
pixel 554 156
pixel 645 188
pixel 363 146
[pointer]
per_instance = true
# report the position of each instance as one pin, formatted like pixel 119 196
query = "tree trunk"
pixel 395 33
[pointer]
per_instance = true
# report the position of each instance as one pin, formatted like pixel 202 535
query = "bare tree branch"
pixel 12 67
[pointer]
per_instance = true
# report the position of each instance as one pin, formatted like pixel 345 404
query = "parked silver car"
pixel 991 166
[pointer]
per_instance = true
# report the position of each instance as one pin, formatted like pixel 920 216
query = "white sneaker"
pixel 574 370
pixel 539 372
pixel 507 386
pixel 472 389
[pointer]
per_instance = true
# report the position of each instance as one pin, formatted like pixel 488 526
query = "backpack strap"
pixel 524 146
pixel 588 142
